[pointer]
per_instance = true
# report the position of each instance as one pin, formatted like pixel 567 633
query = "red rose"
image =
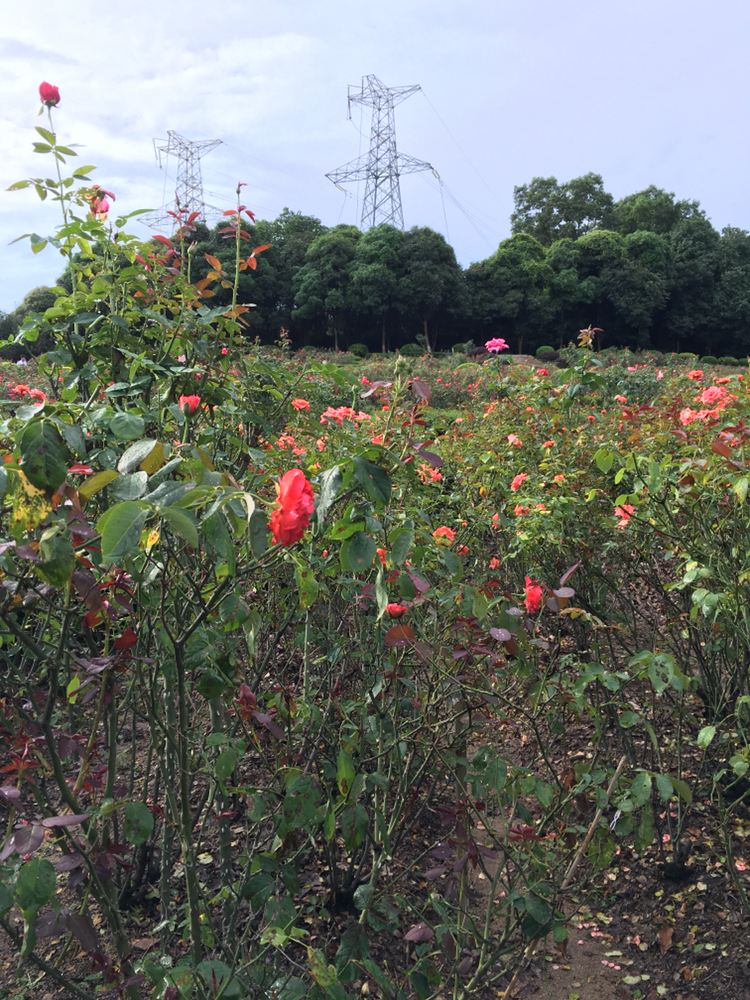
pixel 534 595
pixel 192 403
pixel 49 95
pixel 396 609
pixel 296 502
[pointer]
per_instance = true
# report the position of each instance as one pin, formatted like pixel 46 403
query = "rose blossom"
pixel 192 403
pixel 533 599
pixel 49 95
pixel 496 344
pixel 296 502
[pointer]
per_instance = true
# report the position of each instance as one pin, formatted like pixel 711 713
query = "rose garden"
pixel 333 677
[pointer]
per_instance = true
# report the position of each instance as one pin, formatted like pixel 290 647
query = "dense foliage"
pixel 649 270
pixel 284 639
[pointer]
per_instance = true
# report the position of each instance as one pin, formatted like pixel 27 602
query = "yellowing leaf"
pixel 30 505
pixel 154 460
pixel 96 483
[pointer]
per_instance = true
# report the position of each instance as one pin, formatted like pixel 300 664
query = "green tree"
pixel 34 302
pixel 600 257
pixel 571 294
pixel 640 287
pixel 732 301
pixel 322 286
pixel 268 286
pixel 512 288
pixel 432 284
pixel 653 210
pixel 290 235
pixel 549 211
pixel 689 316
pixel 378 273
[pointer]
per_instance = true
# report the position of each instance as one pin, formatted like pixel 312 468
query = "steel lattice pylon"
pixel 189 190
pixel 382 165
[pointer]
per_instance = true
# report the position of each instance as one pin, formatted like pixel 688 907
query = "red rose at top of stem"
pixel 296 502
pixel 192 403
pixel 49 95
pixel 533 599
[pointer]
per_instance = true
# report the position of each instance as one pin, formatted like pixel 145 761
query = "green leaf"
pixel 138 824
pixel 381 593
pixel 35 885
pixel 137 453
pixel 43 455
pixel 127 426
pixel 219 980
pixel 629 719
pixel 452 563
pixel 705 736
pixel 537 909
pixel 128 487
pixel 217 535
pixel 330 484
pixel 120 528
pixel 353 825
pixel 307 586
pixel 604 460
pixel 373 479
pixel 57 558
pixel 345 773
pixel 354 945
pixel 46 134
pixel 363 896
pixel 329 825
pixel 401 544
pixel 344 528
pixel 646 831
pixel 665 787
pixel 357 553
pixel 683 789
pixel 258 524
pixel 74 437
pixel 226 762
pixel 182 523
pixel 640 790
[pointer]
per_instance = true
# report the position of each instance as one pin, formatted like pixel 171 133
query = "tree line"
pixel 649 270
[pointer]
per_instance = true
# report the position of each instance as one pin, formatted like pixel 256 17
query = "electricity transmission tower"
pixel 189 190
pixel 382 165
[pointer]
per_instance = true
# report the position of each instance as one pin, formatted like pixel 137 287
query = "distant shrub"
pixel 549 354
pixel 359 350
pixel 688 356
pixel 14 352
pixel 709 359
pixel 733 362
pixel 545 349
pixel 412 351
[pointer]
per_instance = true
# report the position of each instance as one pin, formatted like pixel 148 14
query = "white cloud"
pixel 646 93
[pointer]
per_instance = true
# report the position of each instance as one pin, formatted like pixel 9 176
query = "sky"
pixel 644 92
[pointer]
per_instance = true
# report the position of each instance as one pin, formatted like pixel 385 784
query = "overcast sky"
pixel 643 92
